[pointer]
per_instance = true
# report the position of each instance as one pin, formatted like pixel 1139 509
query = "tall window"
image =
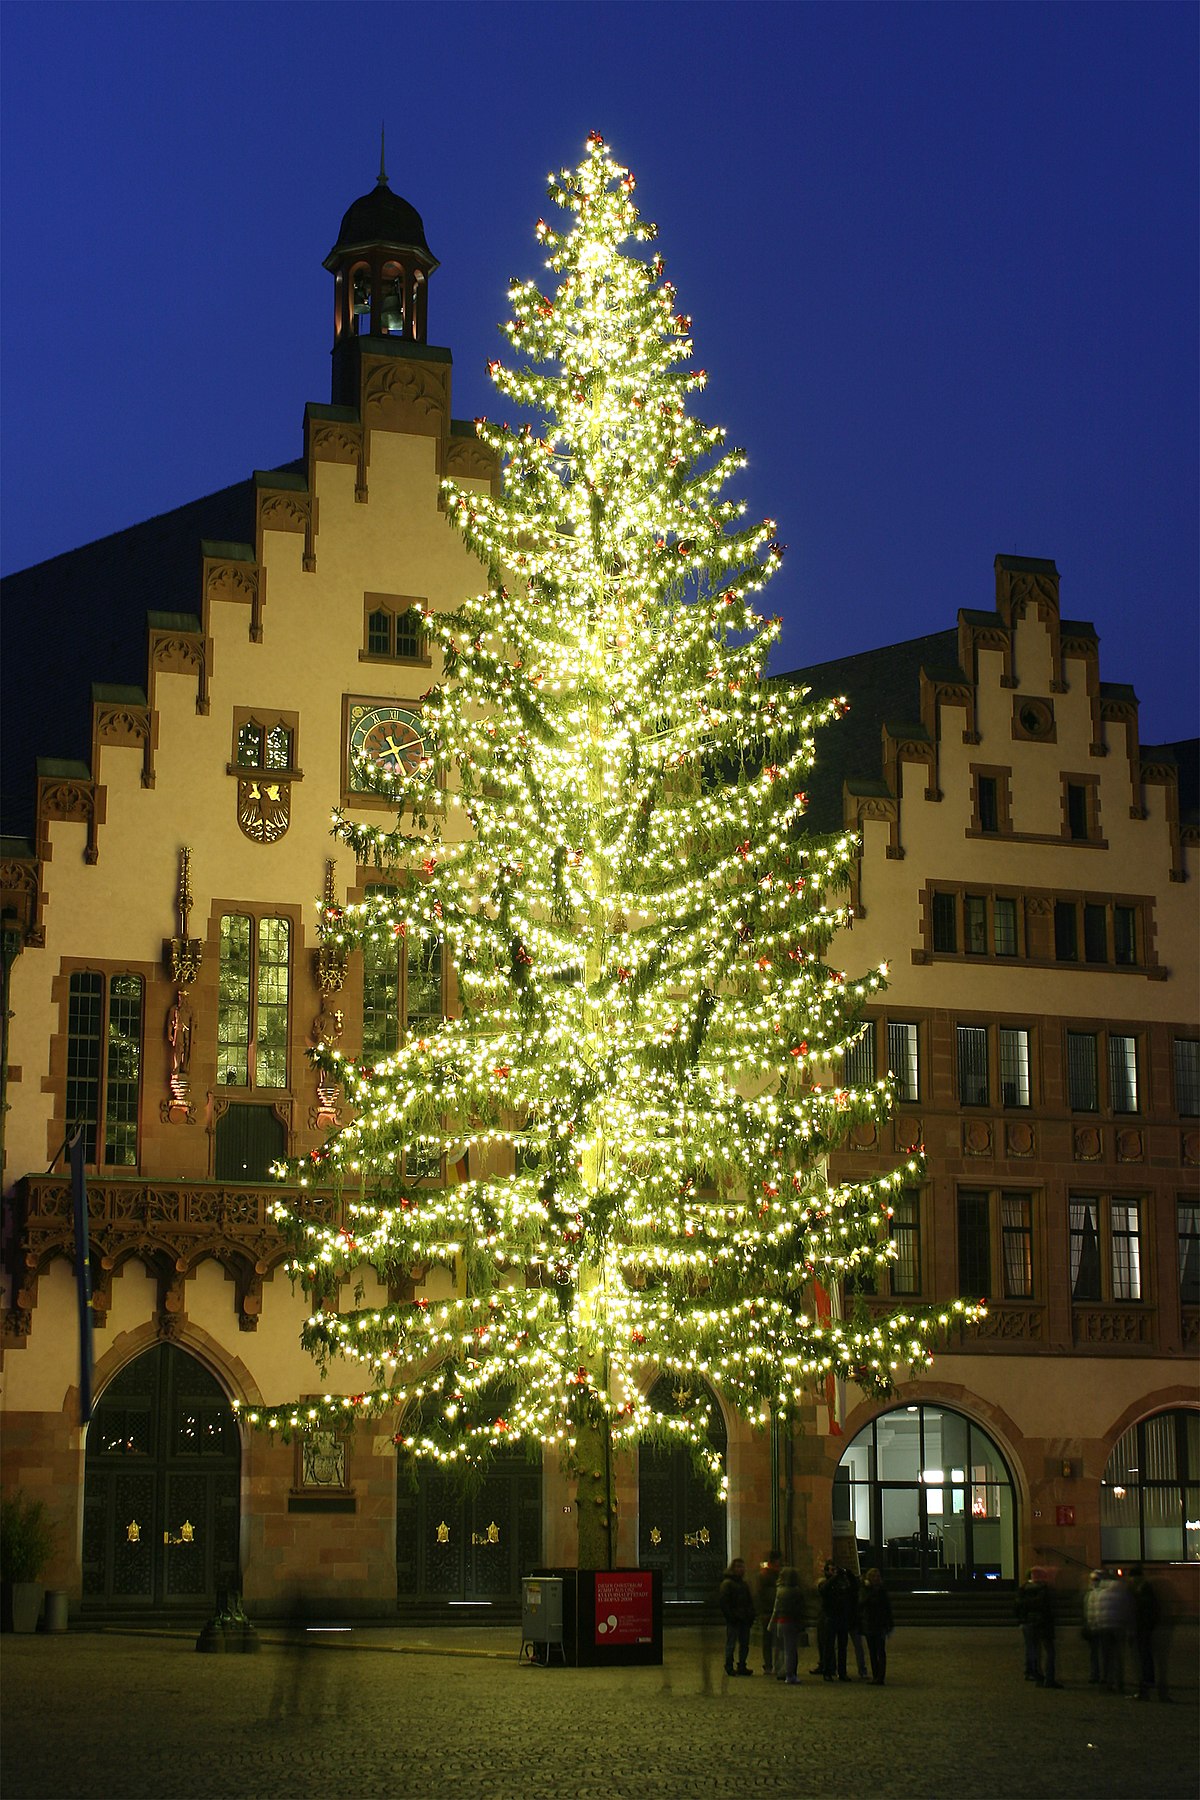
pixel 1066 931
pixel 975 928
pixel 859 1060
pixel 104 1064
pixel 1150 1494
pixel 1122 1073
pixel 995 1243
pixel 1189 1252
pixel 1105 1248
pixel 1014 1065
pixel 905 1231
pixel 1083 1072
pixel 1078 812
pixel 401 995
pixel 945 912
pixel 252 1001
pixel 988 801
pixel 903 1059
pixel 973 1065
pixel 1004 927
pixel 1187 1077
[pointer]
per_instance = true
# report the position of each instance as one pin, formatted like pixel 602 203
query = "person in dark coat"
pixel 837 1595
pixel 789 1618
pixel 875 1606
pixel 1035 1615
pixel 737 1610
pixel 768 1578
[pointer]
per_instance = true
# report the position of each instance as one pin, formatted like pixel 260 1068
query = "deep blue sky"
pixel 942 261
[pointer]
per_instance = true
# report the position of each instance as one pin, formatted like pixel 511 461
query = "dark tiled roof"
pixel 881 685
pixel 80 618
pixel 380 218
pixel 1185 754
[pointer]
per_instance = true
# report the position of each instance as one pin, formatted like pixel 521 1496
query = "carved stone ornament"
pixel 1130 1147
pixel 1019 1138
pixel 467 458
pixel 1089 1143
pixel 396 393
pixel 283 511
pixel 264 808
pixel 977 1137
pixel 1189 1149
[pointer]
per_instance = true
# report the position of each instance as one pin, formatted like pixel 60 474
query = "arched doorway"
pixel 682 1525
pixel 468 1548
pixel 161 1483
pixel 931 1500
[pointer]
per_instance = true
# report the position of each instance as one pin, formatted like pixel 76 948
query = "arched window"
pixel 930 1499
pixel 1150 1494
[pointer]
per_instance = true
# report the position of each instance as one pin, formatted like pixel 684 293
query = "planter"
pixel 22 1605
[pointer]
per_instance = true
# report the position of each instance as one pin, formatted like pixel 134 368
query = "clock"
pixel 384 733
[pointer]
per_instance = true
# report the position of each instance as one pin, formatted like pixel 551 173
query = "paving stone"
pixel 384 1711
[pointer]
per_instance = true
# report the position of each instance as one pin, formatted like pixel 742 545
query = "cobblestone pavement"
pixel 393 1712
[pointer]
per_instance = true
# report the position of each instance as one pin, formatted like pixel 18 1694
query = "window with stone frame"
pixel 1105 1248
pixel 1188 1229
pixel 996 1243
pixel 1186 1057
pixel 104 1064
pixel 394 630
pixel 1115 1055
pixel 253 994
pixel 264 742
pixel 904 1059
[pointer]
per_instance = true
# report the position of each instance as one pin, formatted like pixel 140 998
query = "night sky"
pixel 942 262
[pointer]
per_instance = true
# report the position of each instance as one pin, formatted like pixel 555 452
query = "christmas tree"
pixel 623 1132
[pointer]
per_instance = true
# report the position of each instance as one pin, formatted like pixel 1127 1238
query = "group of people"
pixel 1120 1611
pixel 849 1612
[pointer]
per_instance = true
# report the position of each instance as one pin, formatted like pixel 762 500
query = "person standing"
pixel 788 1619
pixel 877 1622
pixel 1093 1625
pixel 768 1579
pixel 837 1593
pixel 737 1610
pixel 1035 1613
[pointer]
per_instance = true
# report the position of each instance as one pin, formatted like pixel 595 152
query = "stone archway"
pixel 930 1497
pixel 683 1526
pixel 162 1469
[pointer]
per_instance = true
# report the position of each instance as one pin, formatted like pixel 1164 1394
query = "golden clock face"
pixel 385 734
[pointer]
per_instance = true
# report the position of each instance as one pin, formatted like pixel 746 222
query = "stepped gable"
pixel 882 686
pixel 80 618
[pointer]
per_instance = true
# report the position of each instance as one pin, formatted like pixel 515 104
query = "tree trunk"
pixel 595 1509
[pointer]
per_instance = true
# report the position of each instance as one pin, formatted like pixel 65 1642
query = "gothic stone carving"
pixel 404 396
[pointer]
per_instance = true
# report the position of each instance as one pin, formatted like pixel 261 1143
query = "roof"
pixel 380 217
pixel 881 685
pixel 81 618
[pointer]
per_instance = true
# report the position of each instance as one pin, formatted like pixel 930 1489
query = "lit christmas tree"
pixel 635 1103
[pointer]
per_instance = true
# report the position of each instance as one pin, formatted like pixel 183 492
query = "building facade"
pixel 1028 870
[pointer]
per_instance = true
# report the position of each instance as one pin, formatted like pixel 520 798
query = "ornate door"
pixel 456 1546
pixel 681 1522
pixel 160 1510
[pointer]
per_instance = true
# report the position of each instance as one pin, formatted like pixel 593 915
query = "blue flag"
pixel 83 1273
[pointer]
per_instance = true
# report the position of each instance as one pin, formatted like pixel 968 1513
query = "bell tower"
pixel 381 266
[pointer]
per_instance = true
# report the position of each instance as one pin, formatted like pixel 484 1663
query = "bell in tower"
pixel 381 266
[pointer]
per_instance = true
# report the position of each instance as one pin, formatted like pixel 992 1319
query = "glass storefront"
pixel 1150 1495
pixel 930 1499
